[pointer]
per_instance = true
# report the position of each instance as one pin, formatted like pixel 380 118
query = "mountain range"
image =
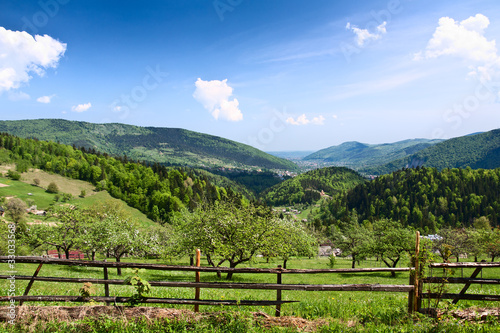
pixel 180 147
pixel 171 146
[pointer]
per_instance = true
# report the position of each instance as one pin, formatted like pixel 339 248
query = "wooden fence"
pixel 279 286
pixel 467 282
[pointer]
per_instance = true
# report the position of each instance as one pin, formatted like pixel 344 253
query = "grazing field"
pixel 26 191
pixel 350 311
pixel 21 190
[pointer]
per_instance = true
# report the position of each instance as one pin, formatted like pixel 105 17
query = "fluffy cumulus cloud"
pixel 215 97
pixel 465 40
pixel 302 120
pixel 22 55
pixel 363 35
pixel 81 107
pixel 45 99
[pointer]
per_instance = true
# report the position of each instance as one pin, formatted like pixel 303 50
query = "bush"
pixel 53 188
pixel 13 175
pixel 36 182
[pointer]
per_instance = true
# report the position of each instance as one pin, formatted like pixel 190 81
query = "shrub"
pixel 13 175
pixel 53 188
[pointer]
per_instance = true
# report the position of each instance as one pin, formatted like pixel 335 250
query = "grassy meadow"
pixel 26 191
pixel 349 311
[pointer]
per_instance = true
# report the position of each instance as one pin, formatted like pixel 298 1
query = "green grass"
pixel 366 310
pixel 20 190
pixel 104 196
pixel 44 200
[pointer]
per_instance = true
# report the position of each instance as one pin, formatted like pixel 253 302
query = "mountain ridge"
pixel 174 146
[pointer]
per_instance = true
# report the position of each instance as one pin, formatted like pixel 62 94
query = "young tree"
pixel 67 234
pixel 352 239
pixel 228 232
pixel 391 241
pixel 120 236
pixel 291 238
pixel 16 210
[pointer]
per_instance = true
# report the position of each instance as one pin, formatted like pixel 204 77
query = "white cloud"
pixel 214 96
pixel 363 35
pixel 302 120
pixel 81 107
pixel 45 99
pixel 18 96
pixel 22 54
pixel 464 40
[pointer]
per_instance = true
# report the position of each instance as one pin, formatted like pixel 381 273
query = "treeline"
pixel 155 190
pixel 307 187
pixel 424 198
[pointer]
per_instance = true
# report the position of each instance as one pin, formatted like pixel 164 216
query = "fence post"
pixel 106 286
pixel 28 287
pixel 197 279
pixel 416 282
pixel 278 294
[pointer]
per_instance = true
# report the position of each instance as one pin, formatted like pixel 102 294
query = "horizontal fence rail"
pixel 229 285
pixel 160 267
pixel 279 286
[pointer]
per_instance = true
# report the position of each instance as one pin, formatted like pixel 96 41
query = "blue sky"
pixel 279 75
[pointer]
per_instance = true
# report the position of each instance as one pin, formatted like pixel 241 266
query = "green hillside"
pixel 358 155
pixel 476 151
pixel 155 190
pixel 163 145
pixel 307 187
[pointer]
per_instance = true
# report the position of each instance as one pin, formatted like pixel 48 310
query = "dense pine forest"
pixel 154 189
pixel 424 198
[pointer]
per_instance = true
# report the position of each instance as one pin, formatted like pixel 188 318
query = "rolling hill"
pixel 478 151
pixel 172 146
pixel 360 155
pixel 308 187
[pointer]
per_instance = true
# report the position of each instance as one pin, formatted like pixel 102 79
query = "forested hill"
pixel 163 145
pixel 307 187
pixel 424 198
pixel 476 151
pixel 155 190
pixel 358 155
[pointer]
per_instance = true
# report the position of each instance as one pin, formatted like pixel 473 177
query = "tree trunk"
pixel 353 261
pixel 66 252
pixel 118 269
pixel 492 258
pixel 458 258
pixel 191 260
pixel 475 258
pixel 93 255
pixel 284 263
pixel 230 274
